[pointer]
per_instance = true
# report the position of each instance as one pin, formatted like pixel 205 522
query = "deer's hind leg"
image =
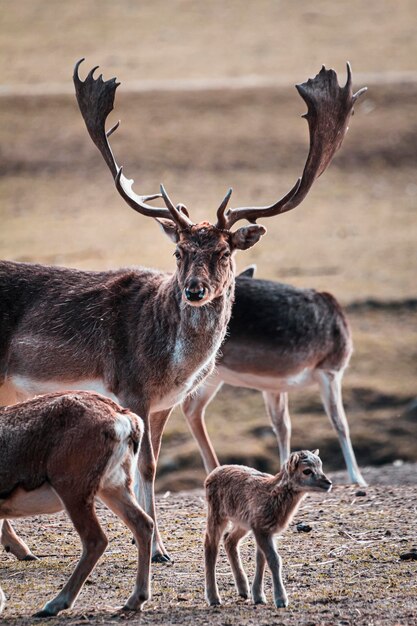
pixel 214 531
pixel 331 393
pixel 231 544
pixel 123 503
pixel 13 543
pixel 82 513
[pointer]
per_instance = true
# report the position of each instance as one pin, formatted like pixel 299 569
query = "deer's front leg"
pixel 258 595
pixel 194 407
pixel 266 544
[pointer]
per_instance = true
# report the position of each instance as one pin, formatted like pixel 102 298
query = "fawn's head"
pixel 305 472
pixel 204 251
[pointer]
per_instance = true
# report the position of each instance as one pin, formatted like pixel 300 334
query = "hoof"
pixel 127 609
pixel 30 557
pixel 281 603
pixel 161 558
pixel 44 613
pixel 244 596
pixel 260 601
pixel 215 602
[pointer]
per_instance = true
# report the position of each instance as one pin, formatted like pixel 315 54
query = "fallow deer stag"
pixel 146 337
pixel 280 338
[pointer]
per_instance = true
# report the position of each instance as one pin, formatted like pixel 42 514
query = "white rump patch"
pixel 115 473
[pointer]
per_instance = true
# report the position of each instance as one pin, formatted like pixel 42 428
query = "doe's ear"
pixel 247 236
pixel 169 228
pixel 316 451
pixel 248 272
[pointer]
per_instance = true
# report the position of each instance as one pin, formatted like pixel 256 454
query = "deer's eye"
pixel 307 472
pixel 177 255
pixel 225 256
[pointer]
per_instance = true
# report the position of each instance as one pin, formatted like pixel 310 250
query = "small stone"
pixel 409 556
pixel 388 533
pixel 303 528
pixel 360 493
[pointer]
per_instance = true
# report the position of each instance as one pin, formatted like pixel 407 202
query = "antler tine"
pixel 95 99
pixel 180 218
pixel 221 220
pixel 329 108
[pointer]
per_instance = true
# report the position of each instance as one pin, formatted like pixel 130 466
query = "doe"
pixel 261 503
pixel 64 451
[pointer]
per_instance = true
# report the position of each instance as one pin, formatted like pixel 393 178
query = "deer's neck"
pixel 190 347
pixel 200 330
pixel 286 500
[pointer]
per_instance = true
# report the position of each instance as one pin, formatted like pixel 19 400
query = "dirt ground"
pixel 346 571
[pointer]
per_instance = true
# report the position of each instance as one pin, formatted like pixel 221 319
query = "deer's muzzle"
pixel 195 295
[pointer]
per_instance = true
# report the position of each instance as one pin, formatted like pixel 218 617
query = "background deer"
pixel 64 451
pixel 260 503
pixel 143 337
pixel 280 338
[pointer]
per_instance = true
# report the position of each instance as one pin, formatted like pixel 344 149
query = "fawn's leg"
pixel 13 543
pixel 266 544
pixel 214 531
pixel 258 595
pixel 231 544
pixel 94 542
pixel 123 503
pixel 331 393
pixel 277 407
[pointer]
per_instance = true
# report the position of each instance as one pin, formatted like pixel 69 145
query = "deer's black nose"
pixel 195 294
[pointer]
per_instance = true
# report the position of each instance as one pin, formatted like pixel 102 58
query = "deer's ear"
pixel 316 452
pixel 293 461
pixel 247 236
pixel 248 272
pixel 169 228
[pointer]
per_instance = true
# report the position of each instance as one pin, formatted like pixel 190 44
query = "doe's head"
pixel 305 471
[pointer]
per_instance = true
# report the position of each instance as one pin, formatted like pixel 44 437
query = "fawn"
pixel 261 503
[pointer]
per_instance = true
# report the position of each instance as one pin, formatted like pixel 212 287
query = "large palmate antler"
pixel 329 110
pixel 95 98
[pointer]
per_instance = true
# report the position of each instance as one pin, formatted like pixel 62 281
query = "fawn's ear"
pixel 169 228
pixel 293 461
pixel 316 452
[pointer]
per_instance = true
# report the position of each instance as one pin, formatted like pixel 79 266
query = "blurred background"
pixel 207 101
